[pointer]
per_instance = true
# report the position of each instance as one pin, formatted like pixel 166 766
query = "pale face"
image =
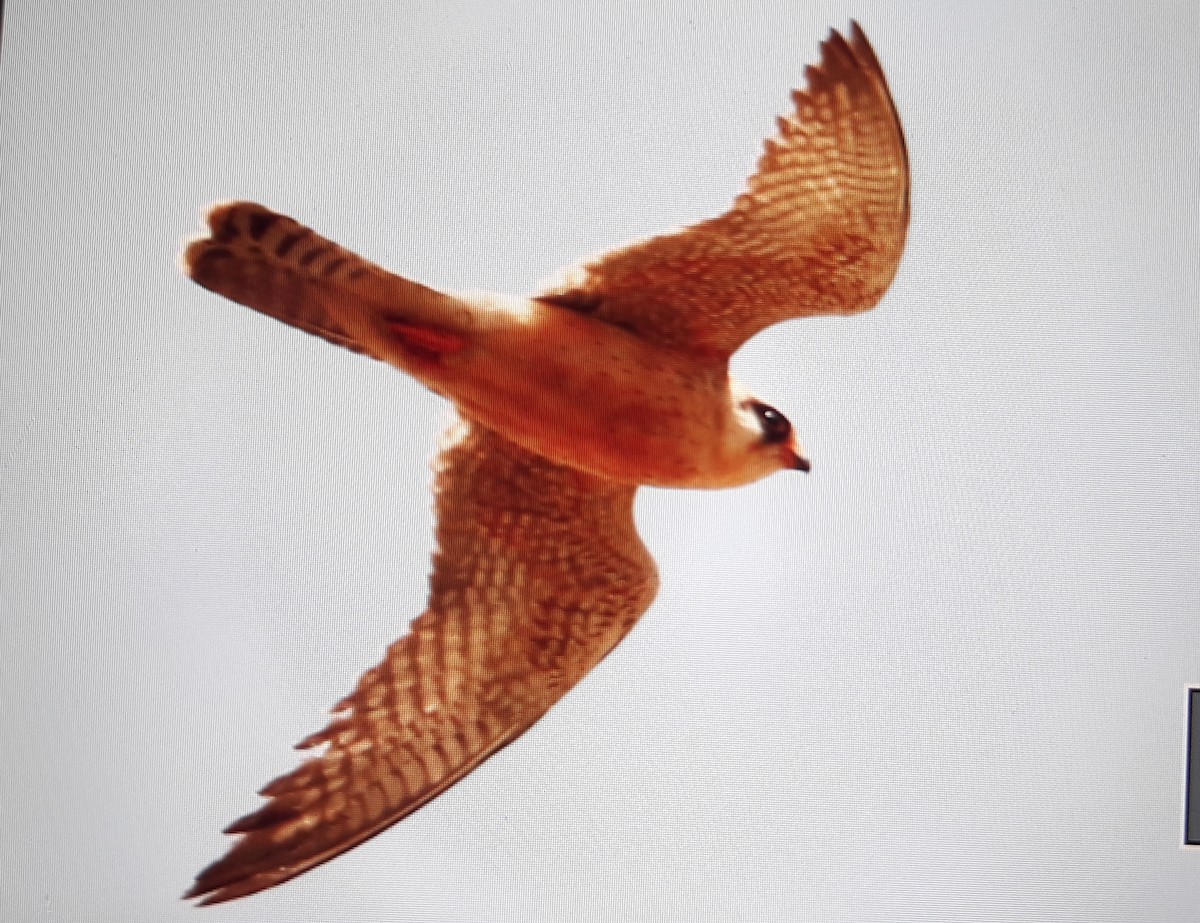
pixel 759 441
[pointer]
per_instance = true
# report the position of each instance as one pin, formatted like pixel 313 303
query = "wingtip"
pixel 862 49
pixel 851 34
pixel 220 894
pixel 218 884
pixel 206 894
pixel 852 46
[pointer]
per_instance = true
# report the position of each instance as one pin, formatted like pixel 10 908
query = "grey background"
pixel 941 678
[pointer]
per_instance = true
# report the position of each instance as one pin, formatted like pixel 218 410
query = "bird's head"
pixel 760 440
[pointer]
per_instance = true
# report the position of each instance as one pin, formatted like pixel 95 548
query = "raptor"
pixel 615 375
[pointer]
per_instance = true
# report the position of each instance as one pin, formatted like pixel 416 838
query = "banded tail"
pixel 278 267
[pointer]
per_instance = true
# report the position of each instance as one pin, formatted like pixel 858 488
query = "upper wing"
pixel 819 230
pixel 539 573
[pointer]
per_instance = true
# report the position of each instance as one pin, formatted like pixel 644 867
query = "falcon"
pixel 614 376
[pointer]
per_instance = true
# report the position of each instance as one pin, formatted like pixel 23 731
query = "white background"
pixel 940 678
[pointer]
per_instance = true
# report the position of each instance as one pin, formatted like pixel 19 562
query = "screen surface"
pixel 943 677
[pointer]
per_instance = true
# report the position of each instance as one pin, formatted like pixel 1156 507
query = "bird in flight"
pixel 614 376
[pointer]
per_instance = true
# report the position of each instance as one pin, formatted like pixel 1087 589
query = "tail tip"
pixel 225 222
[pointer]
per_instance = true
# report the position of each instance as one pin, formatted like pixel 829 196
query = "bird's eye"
pixel 775 425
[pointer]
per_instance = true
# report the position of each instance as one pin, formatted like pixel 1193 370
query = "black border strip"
pixel 1191 775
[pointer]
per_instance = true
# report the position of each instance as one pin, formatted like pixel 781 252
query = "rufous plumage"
pixel 614 376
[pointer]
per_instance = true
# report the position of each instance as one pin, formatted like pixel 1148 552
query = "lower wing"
pixel 539 572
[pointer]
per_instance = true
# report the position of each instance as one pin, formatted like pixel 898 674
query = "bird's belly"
pixel 594 397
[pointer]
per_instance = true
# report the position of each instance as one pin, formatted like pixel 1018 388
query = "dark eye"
pixel 776 427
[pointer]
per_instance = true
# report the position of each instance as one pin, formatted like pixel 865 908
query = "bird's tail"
pixel 280 268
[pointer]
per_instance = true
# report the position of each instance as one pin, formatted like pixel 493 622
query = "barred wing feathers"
pixel 819 230
pixel 539 572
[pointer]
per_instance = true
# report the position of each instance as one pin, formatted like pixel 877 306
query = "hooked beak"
pixel 800 463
